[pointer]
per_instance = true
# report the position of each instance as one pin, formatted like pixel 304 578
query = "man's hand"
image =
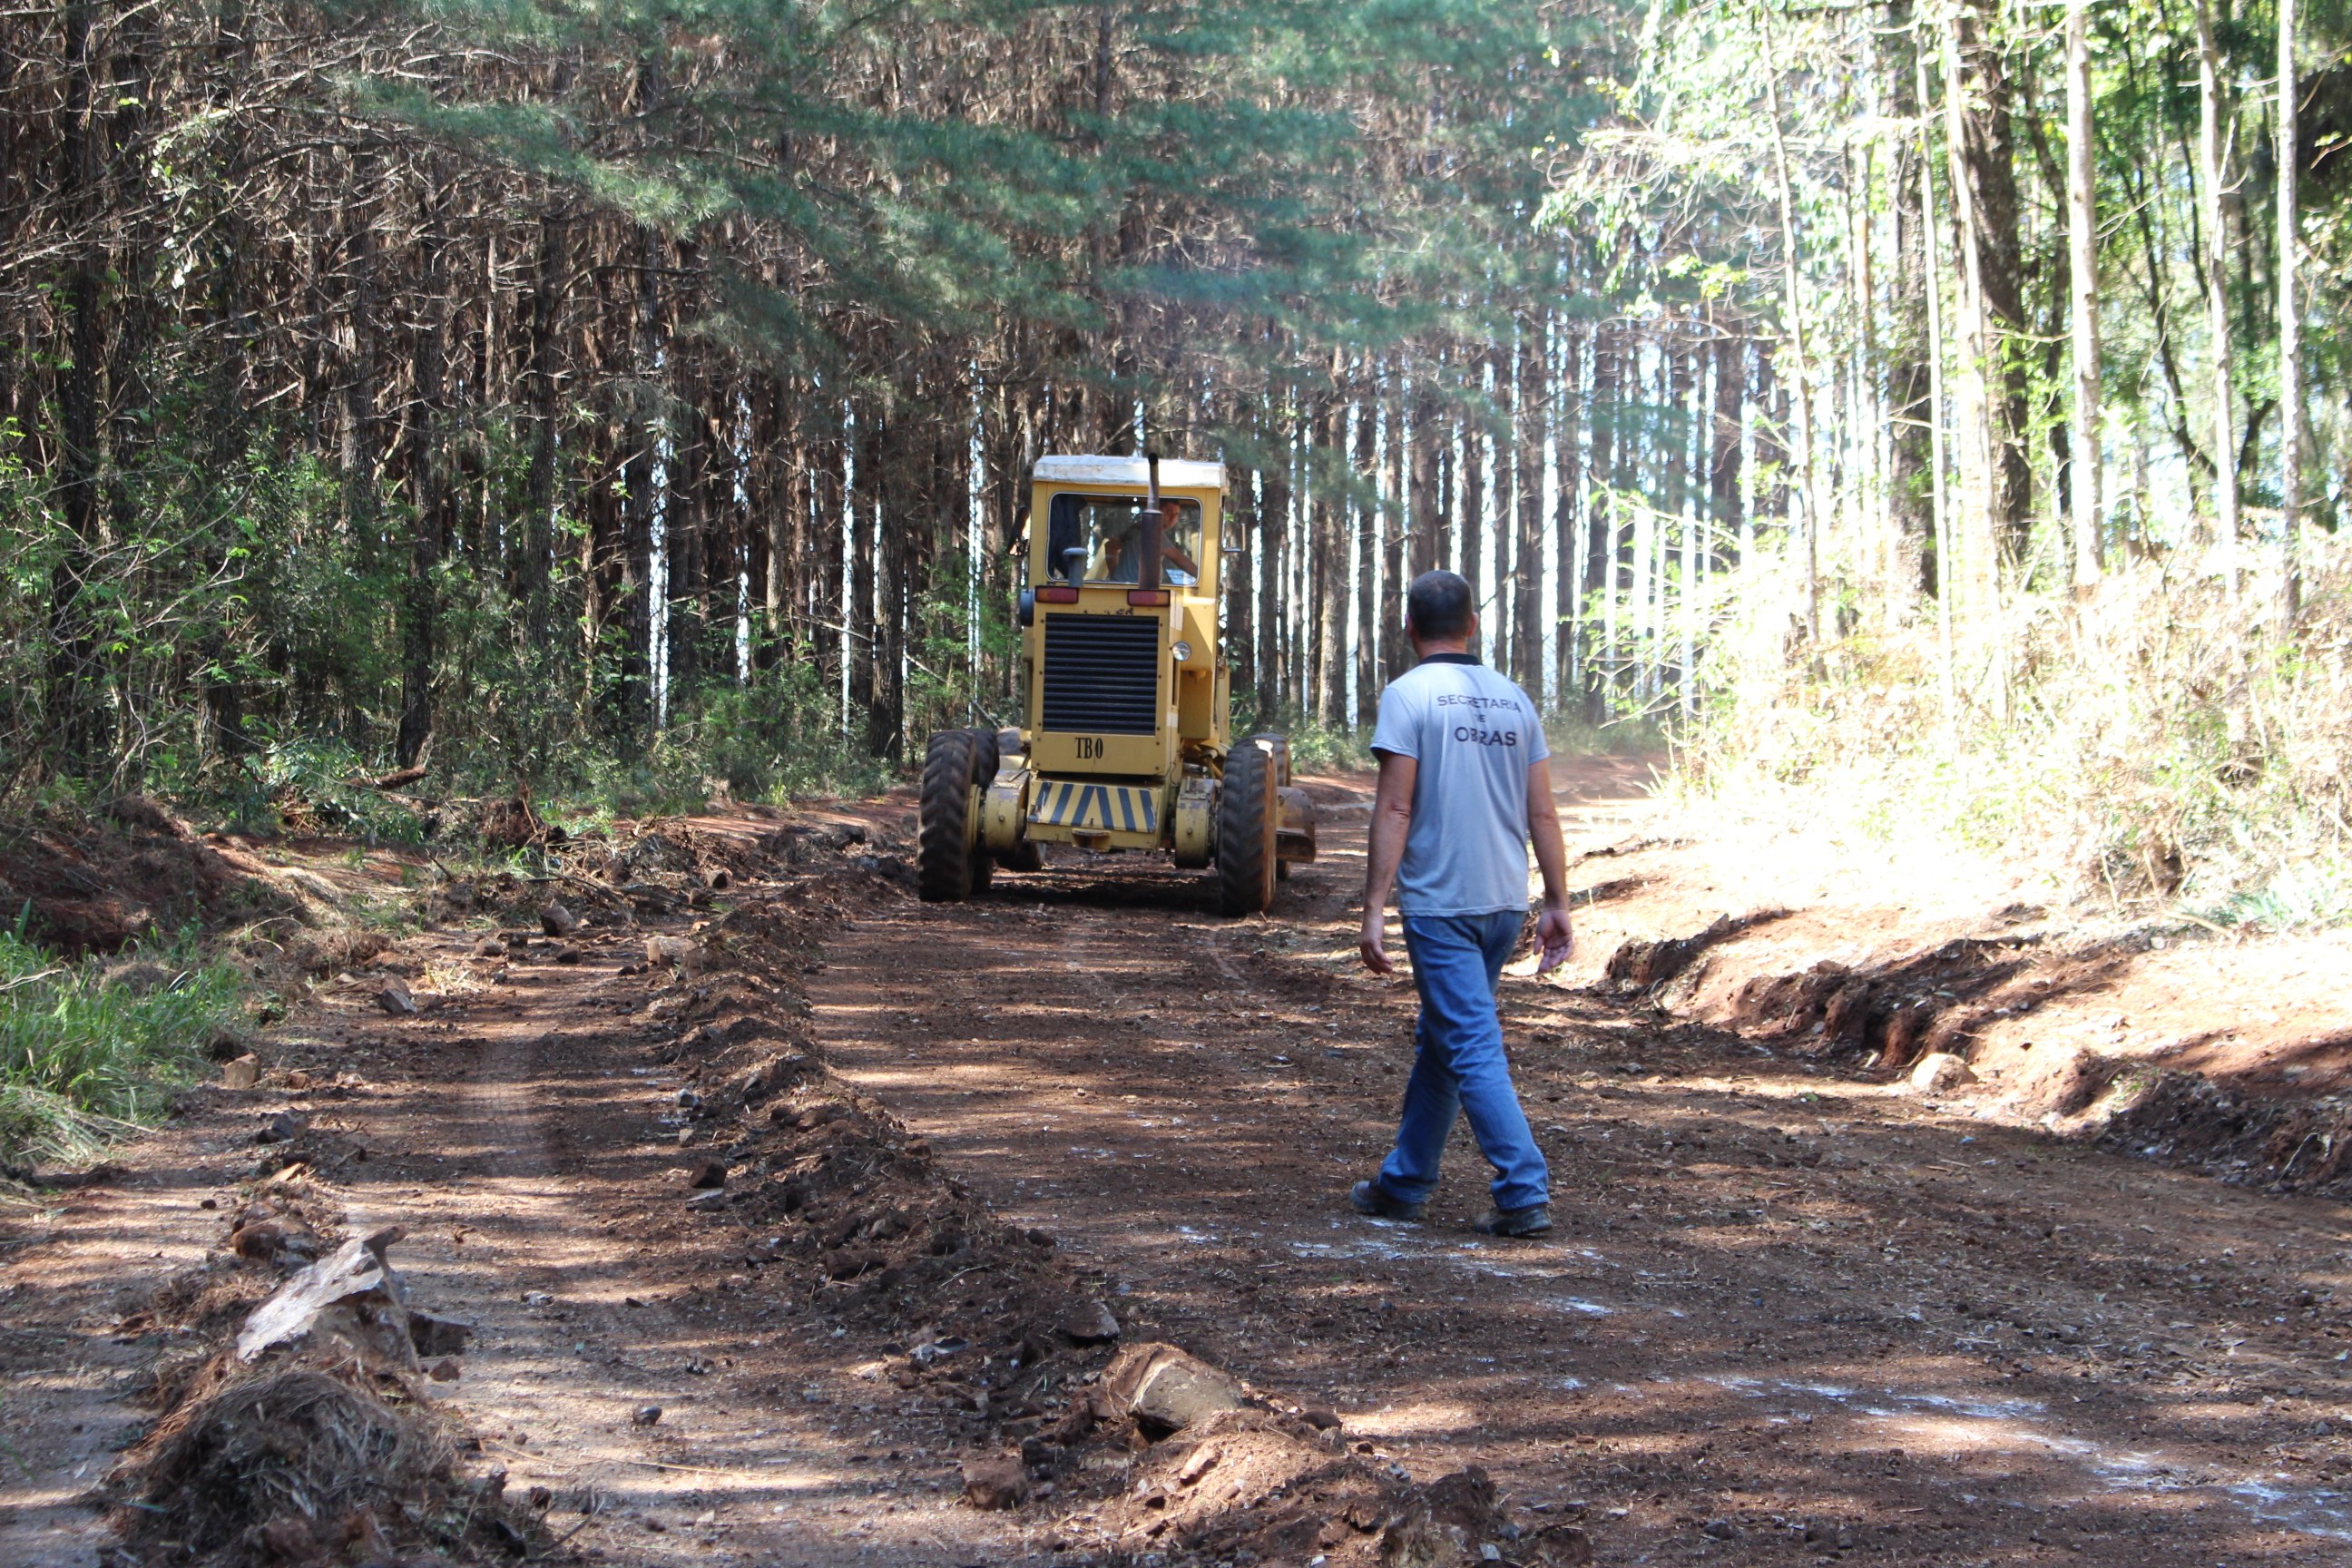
pixel 1375 943
pixel 1554 937
pixel 1551 856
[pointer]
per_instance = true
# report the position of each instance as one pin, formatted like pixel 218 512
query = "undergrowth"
pixel 2163 744
pixel 1632 736
pixel 89 1047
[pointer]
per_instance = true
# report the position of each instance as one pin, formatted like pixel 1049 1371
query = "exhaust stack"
pixel 1146 570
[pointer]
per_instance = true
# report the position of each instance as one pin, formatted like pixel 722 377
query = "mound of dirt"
pixel 2298 1146
pixel 1115 1448
pixel 1940 1003
pixel 1644 966
pixel 834 1185
pixel 97 883
pixel 1253 1481
pixel 296 1429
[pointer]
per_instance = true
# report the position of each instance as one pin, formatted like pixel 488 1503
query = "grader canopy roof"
pixel 1175 473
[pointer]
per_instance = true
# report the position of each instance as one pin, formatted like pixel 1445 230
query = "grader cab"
pixel 1125 742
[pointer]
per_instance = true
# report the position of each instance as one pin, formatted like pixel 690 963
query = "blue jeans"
pixel 1458 1066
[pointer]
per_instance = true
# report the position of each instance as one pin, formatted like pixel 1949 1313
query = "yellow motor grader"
pixel 1125 742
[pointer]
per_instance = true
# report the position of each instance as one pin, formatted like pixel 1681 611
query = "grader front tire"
pixel 1246 805
pixel 950 864
pixel 983 769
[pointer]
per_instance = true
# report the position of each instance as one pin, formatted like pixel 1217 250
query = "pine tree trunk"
pixel 1983 151
pixel 861 490
pixel 1725 508
pixel 895 529
pixel 2083 269
pixel 773 457
pixel 420 606
pixel 1972 573
pixel 1909 480
pixel 1273 532
pixel 632 711
pixel 1402 520
pixel 1240 648
pixel 1502 448
pixel 1534 399
pixel 1599 521
pixel 2289 158
pixel 686 543
pixel 1567 424
pixel 1938 556
pixel 537 533
pixel 1330 558
pixel 80 731
pixel 1371 522
pixel 1428 526
pixel 831 460
pixel 1474 510
pixel 1799 368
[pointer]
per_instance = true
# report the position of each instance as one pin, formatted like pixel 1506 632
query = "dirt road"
pixel 1782 1316
pixel 1785 1317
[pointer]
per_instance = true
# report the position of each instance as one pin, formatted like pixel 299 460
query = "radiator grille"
pixel 1102 674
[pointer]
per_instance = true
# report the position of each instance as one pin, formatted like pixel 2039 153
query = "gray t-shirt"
pixel 1474 734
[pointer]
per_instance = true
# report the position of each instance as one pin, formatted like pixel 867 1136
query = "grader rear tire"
pixel 1246 807
pixel 947 861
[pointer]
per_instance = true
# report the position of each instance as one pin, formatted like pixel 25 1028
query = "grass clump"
pixel 91 1048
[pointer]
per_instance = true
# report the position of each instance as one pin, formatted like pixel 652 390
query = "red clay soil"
pixel 1786 1316
pixel 2227 1049
pixel 94 884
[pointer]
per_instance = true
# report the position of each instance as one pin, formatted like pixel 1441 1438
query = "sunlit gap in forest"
pixel 1918 419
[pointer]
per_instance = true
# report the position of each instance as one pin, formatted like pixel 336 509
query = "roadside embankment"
pixel 1928 971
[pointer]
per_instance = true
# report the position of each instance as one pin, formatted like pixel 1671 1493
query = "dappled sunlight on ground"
pixel 1775 1298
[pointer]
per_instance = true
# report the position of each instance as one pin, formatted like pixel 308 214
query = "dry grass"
pixel 296 1443
pixel 2161 743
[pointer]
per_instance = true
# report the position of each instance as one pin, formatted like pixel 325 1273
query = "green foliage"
pixel 1630 735
pixel 1315 746
pixel 88 1046
pixel 312 778
pixel 777 738
pixel 961 632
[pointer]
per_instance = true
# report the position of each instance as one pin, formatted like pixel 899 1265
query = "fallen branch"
pixel 393 780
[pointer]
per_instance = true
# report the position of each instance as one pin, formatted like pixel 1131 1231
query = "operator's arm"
pixel 1552 930
pixel 1391 820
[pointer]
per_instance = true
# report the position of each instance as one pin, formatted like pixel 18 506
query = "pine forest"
pixel 1933 406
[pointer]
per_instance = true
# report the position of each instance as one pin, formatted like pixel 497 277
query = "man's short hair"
pixel 1437 606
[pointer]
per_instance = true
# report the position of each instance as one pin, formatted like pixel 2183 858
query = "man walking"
pixel 1464 779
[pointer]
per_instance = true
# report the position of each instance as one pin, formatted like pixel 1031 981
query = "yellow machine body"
pixel 1125 696
pixel 1126 739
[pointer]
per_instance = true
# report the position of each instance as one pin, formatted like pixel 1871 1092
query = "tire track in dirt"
pixel 597 1296
pixel 525 1134
pixel 1784 1317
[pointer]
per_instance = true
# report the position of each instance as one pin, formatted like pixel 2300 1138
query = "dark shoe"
pixel 1533 1220
pixel 1369 1197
